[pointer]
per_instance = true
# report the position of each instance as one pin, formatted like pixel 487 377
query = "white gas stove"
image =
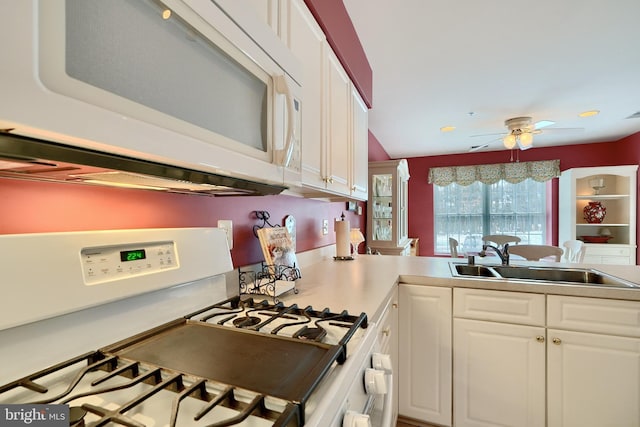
pixel 137 327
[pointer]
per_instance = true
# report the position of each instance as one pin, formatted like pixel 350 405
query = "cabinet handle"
pixel 386 332
pixel 540 338
pixel 556 341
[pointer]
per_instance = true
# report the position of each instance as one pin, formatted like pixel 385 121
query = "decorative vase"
pixel 594 212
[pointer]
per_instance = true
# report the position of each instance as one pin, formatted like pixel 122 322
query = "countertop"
pixel 365 283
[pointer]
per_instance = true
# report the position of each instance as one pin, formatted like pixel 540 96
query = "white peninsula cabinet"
pixel 516 354
pixel 498 358
pixel 593 357
pixel 425 353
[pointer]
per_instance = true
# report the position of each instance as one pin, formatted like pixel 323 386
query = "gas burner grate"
pixel 240 312
pixel 129 376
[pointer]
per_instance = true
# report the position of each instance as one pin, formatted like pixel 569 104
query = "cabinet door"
pixel 267 12
pixel 360 146
pixel 425 353
pixel 499 374
pixel 593 380
pixel 337 107
pixel 307 42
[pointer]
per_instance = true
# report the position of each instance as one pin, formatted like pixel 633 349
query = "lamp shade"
pixel 509 141
pixel 526 139
pixel 356 237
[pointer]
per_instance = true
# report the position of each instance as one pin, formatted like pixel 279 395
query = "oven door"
pixel 172 80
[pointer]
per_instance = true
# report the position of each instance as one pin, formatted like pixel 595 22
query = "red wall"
pixel 334 20
pixel 623 152
pixel 376 150
pixel 32 207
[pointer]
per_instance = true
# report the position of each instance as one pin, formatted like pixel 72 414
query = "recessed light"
pixel 589 113
pixel 447 128
pixel 166 14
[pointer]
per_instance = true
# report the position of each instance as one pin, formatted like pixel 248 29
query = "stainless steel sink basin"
pixel 474 270
pixel 549 275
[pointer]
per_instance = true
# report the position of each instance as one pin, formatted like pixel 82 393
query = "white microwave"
pixel 173 81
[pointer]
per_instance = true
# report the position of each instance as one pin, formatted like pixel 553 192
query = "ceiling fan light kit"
pixel 520 133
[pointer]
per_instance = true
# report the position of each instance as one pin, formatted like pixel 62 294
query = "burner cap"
pixel 315 334
pixel 76 416
pixel 245 322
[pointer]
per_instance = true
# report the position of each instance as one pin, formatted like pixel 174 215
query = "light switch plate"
pixel 227 226
pixel 325 226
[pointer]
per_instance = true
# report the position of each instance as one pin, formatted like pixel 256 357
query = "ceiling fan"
pixel 520 131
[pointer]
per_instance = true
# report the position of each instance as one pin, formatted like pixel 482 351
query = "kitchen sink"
pixel 475 270
pixel 549 275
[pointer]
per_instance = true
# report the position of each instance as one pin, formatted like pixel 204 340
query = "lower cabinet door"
pixel 498 374
pixel 425 353
pixel 593 380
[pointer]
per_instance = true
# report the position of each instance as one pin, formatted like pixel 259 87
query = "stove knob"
pixel 355 419
pixel 382 362
pixel 375 381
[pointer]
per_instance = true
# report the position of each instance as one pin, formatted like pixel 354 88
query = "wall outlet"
pixel 227 226
pixel 325 226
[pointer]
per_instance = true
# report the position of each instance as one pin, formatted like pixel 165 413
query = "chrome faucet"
pixel 503 254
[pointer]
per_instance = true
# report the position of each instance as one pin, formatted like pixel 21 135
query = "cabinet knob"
pixel 556 341
pixel 394 305
pixel 540 338
pixel 386 332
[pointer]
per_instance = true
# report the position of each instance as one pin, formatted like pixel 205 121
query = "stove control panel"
pixel 109 263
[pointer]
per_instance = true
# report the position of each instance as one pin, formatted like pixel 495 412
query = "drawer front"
pixel 618 260
pixel 622 260
pixel 594 315
pixel 499 306
pixel 608 250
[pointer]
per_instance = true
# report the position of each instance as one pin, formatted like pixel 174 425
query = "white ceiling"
pixel 473 64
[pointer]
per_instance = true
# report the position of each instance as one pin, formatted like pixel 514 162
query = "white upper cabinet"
pixel 613 240
pixel 334 117
pixel 360 147
pixel 336 146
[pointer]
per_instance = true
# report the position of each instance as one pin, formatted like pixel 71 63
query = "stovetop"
pixel 229 361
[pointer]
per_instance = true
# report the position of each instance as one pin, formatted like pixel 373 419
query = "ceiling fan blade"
pixel 561 130
pixel 483 146
pixel 543 124
pixel 488 134
pixel 478 147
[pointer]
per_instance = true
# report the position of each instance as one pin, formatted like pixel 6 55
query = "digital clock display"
pixel 132 255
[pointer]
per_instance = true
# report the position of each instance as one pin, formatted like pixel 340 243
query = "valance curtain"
pixel 513 173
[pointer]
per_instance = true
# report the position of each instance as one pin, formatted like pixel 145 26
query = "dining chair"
pixel 453 247
pixel 574 250
pixel 536 252
pixel 500 239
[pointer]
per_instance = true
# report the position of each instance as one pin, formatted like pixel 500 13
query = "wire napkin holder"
pixel 272 279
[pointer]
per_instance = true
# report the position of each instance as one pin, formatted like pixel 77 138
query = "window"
pixel 467 213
